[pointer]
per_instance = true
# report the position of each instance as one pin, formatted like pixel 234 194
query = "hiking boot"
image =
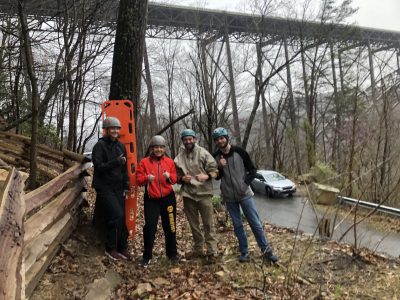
pixel 112 254
pixel 144 262
pixel 193 255
pixel 124 254
pixel 269 255
pixel 244 257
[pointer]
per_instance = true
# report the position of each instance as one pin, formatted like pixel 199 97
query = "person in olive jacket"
pixel 196 167
pixel 157 172
pixel 110 180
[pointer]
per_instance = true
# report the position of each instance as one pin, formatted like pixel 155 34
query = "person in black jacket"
pixel 111 182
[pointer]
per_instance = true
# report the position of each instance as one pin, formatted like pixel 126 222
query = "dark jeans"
pixel 153 208
pixel 112 204
pixel 250 212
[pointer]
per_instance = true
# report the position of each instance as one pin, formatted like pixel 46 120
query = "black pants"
pixel 153 208
pixel 112 204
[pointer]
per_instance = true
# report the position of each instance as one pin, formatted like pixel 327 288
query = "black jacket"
pixel 109 171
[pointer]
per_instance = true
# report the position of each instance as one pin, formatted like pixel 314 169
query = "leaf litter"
pixel 309 268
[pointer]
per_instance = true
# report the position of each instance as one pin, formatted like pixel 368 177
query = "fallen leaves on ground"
pixel 308 269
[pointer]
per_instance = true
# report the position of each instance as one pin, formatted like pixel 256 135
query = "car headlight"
pixel 277 189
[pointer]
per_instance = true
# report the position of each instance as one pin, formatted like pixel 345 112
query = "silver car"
pixel 273 184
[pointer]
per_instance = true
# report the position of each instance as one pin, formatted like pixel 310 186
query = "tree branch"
pixel 175 121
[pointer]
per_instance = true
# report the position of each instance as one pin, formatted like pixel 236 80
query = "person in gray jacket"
pixel 195 168
pixel 236 171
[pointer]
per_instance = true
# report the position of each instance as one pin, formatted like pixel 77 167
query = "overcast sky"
pixel 383 14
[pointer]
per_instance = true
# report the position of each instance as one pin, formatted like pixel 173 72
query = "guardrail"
pixel 381 208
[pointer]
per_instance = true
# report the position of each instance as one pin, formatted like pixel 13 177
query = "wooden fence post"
pixel 12 211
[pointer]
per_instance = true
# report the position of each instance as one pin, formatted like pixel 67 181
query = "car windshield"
pixel 273 177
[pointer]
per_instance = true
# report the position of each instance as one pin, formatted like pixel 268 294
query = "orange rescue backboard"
pixel 124 111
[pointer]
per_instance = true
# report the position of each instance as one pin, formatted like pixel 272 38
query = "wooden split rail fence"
pixel 34 224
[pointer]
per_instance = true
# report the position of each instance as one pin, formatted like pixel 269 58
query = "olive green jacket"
pixel 194 162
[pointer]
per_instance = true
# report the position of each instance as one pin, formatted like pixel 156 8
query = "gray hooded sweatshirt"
pixel 236 175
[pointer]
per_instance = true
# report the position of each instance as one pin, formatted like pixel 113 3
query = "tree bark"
pixel 35 94
pixel 336 155
pixel 267 132
pixel 207 94
pixel 150 94
pixel 292 111
pixel 235 114
pixel 12 210
pixel 128 51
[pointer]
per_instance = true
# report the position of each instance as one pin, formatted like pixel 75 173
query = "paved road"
pixel 297 213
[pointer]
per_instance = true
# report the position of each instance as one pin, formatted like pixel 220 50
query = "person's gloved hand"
pixel 122 159
pixel 166 174
pixel 150 177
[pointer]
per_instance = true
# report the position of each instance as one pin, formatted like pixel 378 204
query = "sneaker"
pixel 175 259
pixel 244 257
pixel 124 254
pixel 144 262
pixel 112 254
pixel 269 255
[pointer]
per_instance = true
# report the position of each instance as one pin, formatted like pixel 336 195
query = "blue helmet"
pixel 218 132
pixel 188 132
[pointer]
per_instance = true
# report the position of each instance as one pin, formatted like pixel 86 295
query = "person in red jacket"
pixel 157 172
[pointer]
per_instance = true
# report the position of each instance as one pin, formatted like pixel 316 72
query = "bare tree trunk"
pixel 61 116
pixel 128 51
pixel 207 94
pixel 150 94
pixel 16 92
pixel 292 110
pixel 385 155
pixel 258 86
pixel 171 108
pixel 67 32
pixel 398 61
pixel 235 114
pixel 341 75
pixel 267 132
pixel 336 155
pixel 309 109
pixel 352 143
pixel 372 72
pixel 35 95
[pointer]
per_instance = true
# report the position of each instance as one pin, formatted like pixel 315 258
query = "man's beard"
pixel 189 146
pixel 224 145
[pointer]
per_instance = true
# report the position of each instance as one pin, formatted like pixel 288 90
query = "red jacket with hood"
pixel 152 165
